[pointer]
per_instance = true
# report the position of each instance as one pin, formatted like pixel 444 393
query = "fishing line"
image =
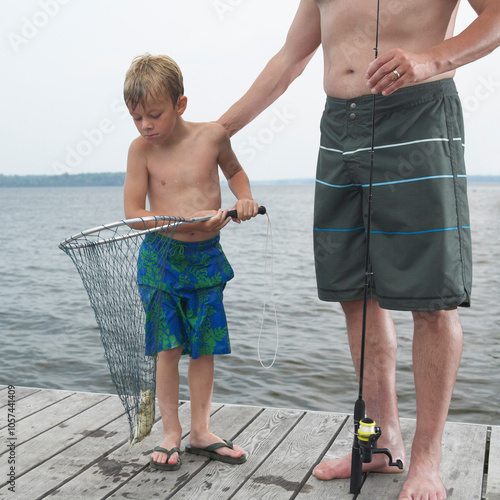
pixel 269 240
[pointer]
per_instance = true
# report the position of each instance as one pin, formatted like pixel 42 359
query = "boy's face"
pixel 156 121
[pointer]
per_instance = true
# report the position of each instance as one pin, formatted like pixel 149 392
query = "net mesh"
pixel 106 259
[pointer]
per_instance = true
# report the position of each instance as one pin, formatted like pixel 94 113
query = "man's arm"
pixel 303 38
pixel 479 39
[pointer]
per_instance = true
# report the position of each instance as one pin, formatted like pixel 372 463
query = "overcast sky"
pixel 64 63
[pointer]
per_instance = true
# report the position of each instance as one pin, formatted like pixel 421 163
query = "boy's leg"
pixel 379 386
pixel 201 382
pixel 167 391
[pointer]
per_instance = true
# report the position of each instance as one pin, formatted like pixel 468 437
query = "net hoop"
pixel 98 235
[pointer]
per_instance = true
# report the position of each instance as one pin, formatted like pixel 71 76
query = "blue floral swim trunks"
pixel 181 285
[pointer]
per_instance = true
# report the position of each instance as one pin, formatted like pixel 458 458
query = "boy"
pixel 175 164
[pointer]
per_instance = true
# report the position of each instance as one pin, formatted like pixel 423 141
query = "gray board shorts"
pixel 420 243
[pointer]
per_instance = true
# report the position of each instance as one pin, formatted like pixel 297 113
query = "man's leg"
pixel 167 390
pixel 201 382
pixel 437 350
pixel 379 385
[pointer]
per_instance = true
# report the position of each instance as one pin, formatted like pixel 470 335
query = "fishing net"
pixel 106 258
pixel 110 263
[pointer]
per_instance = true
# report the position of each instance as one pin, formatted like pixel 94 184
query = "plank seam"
pixel 322 454
pixel 484 489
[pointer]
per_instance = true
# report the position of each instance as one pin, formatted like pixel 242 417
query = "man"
pixel 421 243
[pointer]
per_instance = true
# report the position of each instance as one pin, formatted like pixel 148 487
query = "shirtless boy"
pixel 174 163
pixel 415 190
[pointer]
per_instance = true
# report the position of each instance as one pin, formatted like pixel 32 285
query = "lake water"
pixel 50 338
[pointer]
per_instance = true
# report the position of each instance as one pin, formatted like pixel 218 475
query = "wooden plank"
pixel 227 423
pixel 389 486
pixel 116 468
pixel 463 459
pixel 314 489
pixel 493 480
pixel 72 461
pixel 461 466
pixel 20 393
pixel 53 415
pixel 259 439
pixel 287 471
pixel 48 442
pixel 38 400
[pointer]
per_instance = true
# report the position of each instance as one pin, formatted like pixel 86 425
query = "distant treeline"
pixel 64 180
pixel 118 178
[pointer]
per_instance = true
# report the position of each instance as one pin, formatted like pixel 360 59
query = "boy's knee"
pixel 171 355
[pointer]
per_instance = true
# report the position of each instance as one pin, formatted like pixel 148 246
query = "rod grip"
pixel 234 213
pixel 356 462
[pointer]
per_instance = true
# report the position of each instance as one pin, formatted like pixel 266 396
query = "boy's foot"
pixel 166 466
pixel 166 454
pixel 217 449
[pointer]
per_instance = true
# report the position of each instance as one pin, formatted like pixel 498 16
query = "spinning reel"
pixel 365 446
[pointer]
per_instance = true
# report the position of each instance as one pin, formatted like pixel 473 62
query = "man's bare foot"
pixel 202 441
pixel 340 468
pixel 167 443
pixel 424 482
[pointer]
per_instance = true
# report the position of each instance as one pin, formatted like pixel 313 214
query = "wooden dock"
pixel 71 445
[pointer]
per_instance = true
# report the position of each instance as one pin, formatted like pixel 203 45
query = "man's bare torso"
pixel 348 36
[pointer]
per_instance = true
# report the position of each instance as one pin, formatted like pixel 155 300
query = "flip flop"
pixel 166 466
pixel 210 453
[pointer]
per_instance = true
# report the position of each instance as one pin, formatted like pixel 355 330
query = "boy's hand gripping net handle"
pixel 234 213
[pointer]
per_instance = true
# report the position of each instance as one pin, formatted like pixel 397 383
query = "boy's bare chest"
pixel 183 168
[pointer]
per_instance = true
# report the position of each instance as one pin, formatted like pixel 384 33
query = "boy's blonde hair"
pixel 158 77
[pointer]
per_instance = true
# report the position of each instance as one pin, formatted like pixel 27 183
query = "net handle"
pixel 167 223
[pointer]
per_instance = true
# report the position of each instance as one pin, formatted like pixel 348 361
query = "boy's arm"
pixel 303 38
pixel 135 188
pixel 237 178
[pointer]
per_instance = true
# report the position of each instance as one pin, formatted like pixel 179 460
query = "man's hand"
pixel 397 68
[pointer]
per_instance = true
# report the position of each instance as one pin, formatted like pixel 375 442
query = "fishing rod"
pixel 366 432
